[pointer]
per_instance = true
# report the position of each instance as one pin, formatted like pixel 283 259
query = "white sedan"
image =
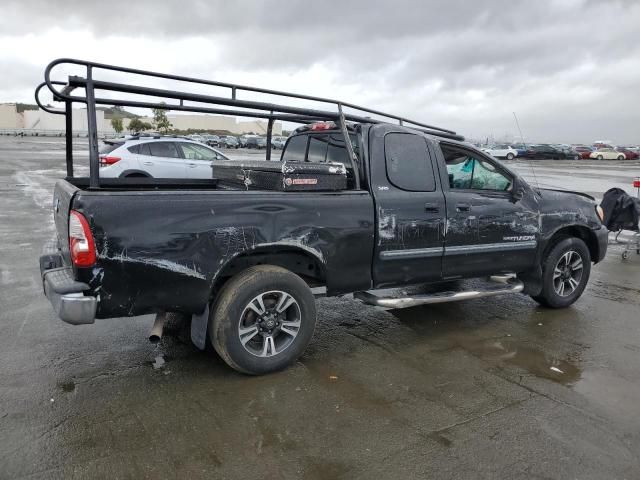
pixel 501 151
pixel 157 157
pixel 607 154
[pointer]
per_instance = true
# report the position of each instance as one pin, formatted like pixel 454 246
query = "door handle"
pixel 463 207
pixel 431 208
pixel 147 163
pixel 192 165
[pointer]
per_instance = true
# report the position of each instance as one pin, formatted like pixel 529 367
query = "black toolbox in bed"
pixel 281 176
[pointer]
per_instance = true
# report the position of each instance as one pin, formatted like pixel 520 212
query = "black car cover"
pixel 621 210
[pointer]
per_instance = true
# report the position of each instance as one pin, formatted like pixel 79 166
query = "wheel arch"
pixel 132 172
pixel 578 231
pixel 304 262
pixel 533 278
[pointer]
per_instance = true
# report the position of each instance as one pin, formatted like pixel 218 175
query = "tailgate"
pixel 62 197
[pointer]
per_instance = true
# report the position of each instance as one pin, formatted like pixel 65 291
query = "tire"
pixel 235 315
pixel 577 157
pixel 510 156
pixel 621 157
pixel 600 157
pixel 554 290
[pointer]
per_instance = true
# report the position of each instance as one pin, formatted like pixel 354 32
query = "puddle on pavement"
pixel 509 351
pixel 449 328
pixel 67 387
pixel 614 292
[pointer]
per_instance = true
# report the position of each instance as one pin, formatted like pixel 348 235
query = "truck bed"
pixel 163 246
pixel 145 183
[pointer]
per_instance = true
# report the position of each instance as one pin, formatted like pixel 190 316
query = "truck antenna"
pixel 533 171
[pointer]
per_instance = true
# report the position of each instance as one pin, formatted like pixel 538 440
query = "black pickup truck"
pixel 419 205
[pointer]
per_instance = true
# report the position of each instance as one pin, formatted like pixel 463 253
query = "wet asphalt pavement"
pixel 491 388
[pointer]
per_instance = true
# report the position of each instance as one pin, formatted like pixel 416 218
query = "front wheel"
pixel 263 320
pixel 565 273
pixel 621 157
pixel 600 157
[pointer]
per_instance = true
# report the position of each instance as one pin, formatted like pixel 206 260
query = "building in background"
pixel 43 123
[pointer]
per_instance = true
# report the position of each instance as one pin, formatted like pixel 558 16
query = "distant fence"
pixel 31 132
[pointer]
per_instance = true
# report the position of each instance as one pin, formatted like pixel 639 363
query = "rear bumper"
pixel 65 294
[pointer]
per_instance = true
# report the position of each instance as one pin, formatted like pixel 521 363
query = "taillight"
pixel 107 160
pixel 81 244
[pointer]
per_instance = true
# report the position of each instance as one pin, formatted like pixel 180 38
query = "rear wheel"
pixel 509 156
pixel 621 157
pixel 263 320
pixel 600 157
pixel 565 273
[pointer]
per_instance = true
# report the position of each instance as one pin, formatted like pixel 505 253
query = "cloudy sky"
pixel 570 69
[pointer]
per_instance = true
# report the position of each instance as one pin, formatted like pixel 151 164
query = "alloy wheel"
pixel 567 273
pixel 269 323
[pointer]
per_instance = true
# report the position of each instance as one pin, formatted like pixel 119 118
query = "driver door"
pixel 487 231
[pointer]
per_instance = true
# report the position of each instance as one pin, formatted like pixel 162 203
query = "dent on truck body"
pixel 166 252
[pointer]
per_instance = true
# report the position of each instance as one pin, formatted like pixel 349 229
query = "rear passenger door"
pixel 410 208
pixel 162 160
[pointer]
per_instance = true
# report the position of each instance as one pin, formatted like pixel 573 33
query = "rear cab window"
pixel 319 148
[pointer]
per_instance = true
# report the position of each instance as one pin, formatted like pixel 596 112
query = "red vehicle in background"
pixel 583 151
pixel 629 154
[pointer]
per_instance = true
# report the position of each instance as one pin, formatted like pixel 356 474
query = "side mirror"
pixel 517 190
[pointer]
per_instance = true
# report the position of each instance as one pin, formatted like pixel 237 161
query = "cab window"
pixel 325 147
pixel 468 171
pixel 408 162
pixel 295 150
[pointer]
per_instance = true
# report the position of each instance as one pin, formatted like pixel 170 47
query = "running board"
pixel 500 286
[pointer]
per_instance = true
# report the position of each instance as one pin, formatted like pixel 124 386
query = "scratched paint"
pixel 156 262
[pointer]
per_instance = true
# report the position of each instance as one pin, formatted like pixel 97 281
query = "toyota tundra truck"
pixel 405 204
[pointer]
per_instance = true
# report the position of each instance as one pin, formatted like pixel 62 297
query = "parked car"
pixel 502 151
pixel 521 148
pixel 628 153
pixel 607 154
pixel 277 142
pixel 229 141
pixel 157 157
pixel 242 140
pixel 544 152
pixel 583 151
pixel 197 138
pixel 568 150
pixel 256 142
pixel 211 140
pixel 244 265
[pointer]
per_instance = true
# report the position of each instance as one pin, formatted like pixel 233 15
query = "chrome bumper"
pixel 65 294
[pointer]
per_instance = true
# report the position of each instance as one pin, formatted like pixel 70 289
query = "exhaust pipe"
pixel 158 326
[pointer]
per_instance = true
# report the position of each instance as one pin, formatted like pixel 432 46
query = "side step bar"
pixel 500 285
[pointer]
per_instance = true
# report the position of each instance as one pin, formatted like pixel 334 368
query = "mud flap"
pixel 199 328
pixel 532 281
